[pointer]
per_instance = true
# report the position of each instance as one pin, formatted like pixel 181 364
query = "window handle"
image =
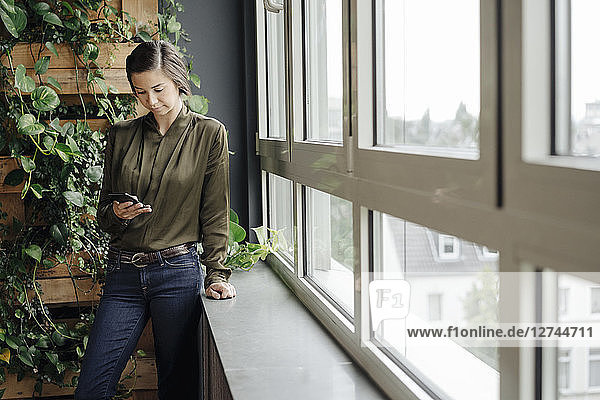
pixel 273 5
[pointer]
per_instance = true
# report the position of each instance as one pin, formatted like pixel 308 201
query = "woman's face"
pixel 156 91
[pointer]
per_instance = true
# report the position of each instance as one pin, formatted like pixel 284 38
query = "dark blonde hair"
pixel 159 54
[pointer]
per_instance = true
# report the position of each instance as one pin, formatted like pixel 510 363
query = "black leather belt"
pixel 141 259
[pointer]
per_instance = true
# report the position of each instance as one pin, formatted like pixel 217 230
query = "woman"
pixel 176 163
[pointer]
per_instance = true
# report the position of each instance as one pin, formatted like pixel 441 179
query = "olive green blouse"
pixel 183 175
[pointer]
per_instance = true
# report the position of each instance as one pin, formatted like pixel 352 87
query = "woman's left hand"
pixel 220 290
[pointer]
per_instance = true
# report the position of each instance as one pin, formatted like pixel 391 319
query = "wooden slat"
pixel 21 54
pixel 144 11
pixel 146 380
pixel 61 270
pixel 68 83
pixel 61 291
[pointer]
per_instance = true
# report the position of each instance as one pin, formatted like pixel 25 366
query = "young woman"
pixel 175 163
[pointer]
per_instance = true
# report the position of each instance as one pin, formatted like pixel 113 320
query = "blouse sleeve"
pixel 107 219
pixel 214 211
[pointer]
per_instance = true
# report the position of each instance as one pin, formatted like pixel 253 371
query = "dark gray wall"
pixel 222 42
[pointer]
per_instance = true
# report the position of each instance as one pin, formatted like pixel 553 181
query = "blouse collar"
pixel 180 123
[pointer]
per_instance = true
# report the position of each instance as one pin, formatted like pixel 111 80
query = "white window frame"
pixel 442 254
pixel 595 357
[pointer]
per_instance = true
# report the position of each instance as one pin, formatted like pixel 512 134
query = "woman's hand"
pixel 220 290
pixel 128 210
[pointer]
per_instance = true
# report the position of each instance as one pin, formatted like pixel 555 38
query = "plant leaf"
pixel 233 216
pixel 195 80
pixel 53 19
pixel 198 104
pixel 20 73
pixel 37 190
pixel 41 65
pixel 45 98
pixel 28 125
pixel 50 46
pixel 14 177
pixel 54 83
pixel 237 232
pixel 5 355
pixel 34 251
pixel 28 163
pixel 145 36
pixel 90 52
pixel 74 197
pixel 94 173
pixel 59 233
pixel 41 8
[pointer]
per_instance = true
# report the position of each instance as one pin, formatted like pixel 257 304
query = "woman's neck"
pixel 164 121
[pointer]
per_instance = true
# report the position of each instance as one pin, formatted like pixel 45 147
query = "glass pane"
pixel 324 70
pixel 275 75
pixel 578 366
pixel 458 291
pixel 281 213
pixel 330 252
pixel 428 76
pixel 585 80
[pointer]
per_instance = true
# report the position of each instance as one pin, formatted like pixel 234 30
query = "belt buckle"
pixel 136 258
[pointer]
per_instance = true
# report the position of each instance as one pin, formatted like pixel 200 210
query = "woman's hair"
pixel 159 54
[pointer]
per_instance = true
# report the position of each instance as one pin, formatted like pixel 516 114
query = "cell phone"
pixel 123 197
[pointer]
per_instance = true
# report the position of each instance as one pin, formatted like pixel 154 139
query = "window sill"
pixel 271 347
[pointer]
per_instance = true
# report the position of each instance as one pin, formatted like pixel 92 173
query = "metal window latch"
pixel 273 6
pixel 257 144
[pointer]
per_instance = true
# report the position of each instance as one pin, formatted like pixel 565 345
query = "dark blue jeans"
pixel 167 290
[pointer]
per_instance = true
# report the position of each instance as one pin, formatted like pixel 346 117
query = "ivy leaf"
pixel 43 342
pixel 19 313
pixel 79 352
pixel 58 233
pixel 53 357
pixel 37 190
pixel 48 142
pixel 198 104
pixel 54 83
pixel 102 83
pixel 41 65
pixel 173 25
pixel 8 5
pixel 28 84
pixel 67 129
pixel 20 73
pixel 53 19
pixel 11 342
pixel 145 36
pixel 34 251
pixel 195 80
pixel 74 197
pixel 237 232
pixel 94 173
pixel 28 125
pixel 72 144
pixel 50 46
pixel 28 164
pixel 261 234
pixel 58 339
pixel 25 357
pixel 41 8
pixel 90 52
pixel 44 98
pixel 14 177
pixel 5 355
pixel 233 216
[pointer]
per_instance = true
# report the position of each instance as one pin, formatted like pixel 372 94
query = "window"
pixel 563 300
pixel 564 369
pixel 441 294
pixel 428 91
pixel 594 368
pixel 435 306
pixel 330 247
pixel 324 70
pixel 578 93
pixel 275 47
pixel 595 302
pixel 448 247
pixel 281 212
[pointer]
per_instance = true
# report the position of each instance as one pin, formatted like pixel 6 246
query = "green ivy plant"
pixel 61 167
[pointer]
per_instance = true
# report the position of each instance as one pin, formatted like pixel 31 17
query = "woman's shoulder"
pixel 127 124
pixel 206 123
